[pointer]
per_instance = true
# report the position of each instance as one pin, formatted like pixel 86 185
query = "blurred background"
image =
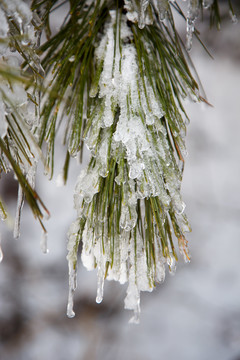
pixel 193 315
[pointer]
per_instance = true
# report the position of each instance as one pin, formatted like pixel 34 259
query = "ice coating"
pixel 19 10
pixel 132 167
pixel 141 11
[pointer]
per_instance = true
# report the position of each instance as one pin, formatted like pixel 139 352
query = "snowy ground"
pixel 193 315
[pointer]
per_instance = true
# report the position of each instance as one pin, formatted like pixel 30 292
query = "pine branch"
pixel 115 77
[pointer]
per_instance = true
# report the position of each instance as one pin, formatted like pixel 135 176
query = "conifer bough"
pixel 114 77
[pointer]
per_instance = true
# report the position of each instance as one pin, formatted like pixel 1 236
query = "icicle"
pixel 100 286
pixel 135 319
pixel 1 252
pixel 43 243
pixel 72 288
pixel 192 14
pixel 132 302
pixel 20 201
pixel 190 31
pixel 142 14
pixel 233 16
pixel 163 6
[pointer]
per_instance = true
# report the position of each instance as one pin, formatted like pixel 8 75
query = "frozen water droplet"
pixel 180 207
pixel 135 319
pixel 100 286
pixel 70 312
pixel 142 13
pixel 190 31
pixel 72 58
pixel 163 6
pixel 20 201
pixel 192 14
pixel 171 261
pixel 25 41
pixel 43 243
pixel 233 16
pixel 72 288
